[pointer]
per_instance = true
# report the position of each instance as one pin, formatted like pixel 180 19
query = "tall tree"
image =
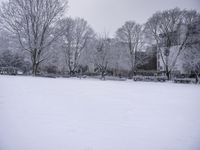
pixel 192 61
pixel 192 55
pixel 171 32
pixel 102 54
pixel 33 22
pixel 76 36
pixel 130 34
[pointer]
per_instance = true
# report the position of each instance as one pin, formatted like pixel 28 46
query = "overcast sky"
pixel 108 15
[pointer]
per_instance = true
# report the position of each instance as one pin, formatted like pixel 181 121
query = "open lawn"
pixel 87 114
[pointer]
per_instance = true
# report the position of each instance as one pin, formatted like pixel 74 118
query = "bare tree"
pixel 130 34
pixel 76 36
pixel 171 32
pixel 33 22
pixel 192 61
pixel 102 54
pixel 192 54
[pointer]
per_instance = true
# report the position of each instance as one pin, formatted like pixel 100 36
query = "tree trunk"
pixel 197 78
pixel 103 75
pixel 132 69
pixel 168 73
pixel 34 68
pixel 34 63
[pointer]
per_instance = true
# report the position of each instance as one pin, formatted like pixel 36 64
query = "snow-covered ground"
pixel 74 114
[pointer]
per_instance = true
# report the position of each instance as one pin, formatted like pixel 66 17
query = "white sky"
pixel 108 15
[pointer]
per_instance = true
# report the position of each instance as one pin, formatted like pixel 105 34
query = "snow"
pixel 85 114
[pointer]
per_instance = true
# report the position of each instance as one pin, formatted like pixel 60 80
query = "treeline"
pixel 37 38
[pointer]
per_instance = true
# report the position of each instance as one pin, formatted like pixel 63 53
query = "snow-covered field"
pixel 74 114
